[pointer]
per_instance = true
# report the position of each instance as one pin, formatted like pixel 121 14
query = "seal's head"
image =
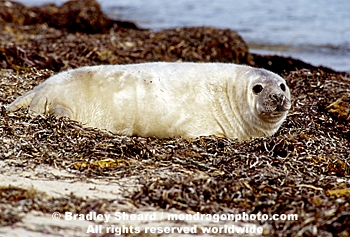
pixel 271 96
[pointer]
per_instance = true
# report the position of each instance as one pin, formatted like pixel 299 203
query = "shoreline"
pixel 50 21
pixel 289 50
pixel 316 46
pixel 298 53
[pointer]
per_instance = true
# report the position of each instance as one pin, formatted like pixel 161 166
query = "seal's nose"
pixel 279 98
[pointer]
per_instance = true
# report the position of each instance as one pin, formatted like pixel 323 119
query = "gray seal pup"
pixel 166 99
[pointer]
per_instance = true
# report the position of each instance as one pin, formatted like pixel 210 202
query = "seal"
pixel 166 99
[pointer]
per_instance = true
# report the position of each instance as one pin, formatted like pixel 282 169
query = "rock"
pixel 75 16
pixel 204 44
pixel 279 64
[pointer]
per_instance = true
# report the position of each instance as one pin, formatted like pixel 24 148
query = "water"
pixel 317 32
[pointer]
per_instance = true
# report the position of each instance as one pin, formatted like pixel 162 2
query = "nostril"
pixel 277 97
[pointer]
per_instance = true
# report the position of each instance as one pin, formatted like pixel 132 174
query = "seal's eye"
pixel 283 87
pixel 257 89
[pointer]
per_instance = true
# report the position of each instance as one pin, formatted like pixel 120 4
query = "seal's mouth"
pixel 280 108
pixel 275 109
pixel 273 113
pixel 274 105
pixel 279 104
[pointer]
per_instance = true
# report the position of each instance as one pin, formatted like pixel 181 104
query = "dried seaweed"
pixel 20 201
pixel 303 168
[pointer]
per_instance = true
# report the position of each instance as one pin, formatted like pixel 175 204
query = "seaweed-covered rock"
pixel 204 44
pixel 279 64
pixel 44 47
pixel 74 16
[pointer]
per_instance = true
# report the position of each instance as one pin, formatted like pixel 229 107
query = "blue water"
pixel 317 32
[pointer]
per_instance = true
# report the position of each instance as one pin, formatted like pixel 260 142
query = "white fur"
pixel 157 99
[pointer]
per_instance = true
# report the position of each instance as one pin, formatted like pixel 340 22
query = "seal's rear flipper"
pixel 21 102
pixel 40 103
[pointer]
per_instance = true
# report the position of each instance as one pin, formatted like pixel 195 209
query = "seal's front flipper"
pixel 61 111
